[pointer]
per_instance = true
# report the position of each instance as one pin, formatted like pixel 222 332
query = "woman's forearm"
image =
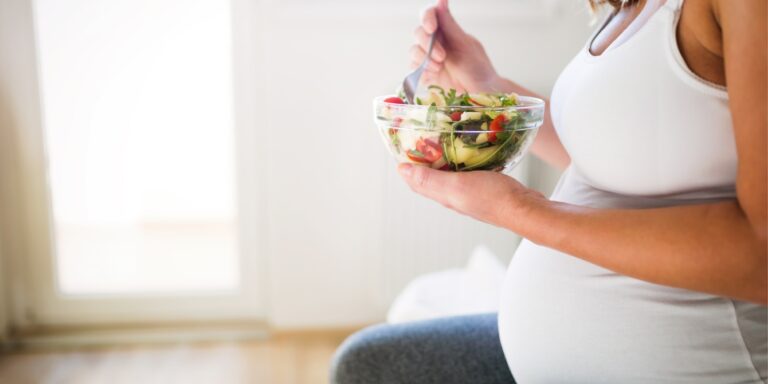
pixel 547 145
pixel 709 248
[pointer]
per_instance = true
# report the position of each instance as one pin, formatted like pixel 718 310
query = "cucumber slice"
pixel 471 116
pixel 463 153
pixel 482 156
pixel 436 98
pixel 441 117
pixel 488 156
pixel 485 99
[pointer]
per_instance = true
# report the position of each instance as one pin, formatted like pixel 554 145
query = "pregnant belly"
pixel 565 320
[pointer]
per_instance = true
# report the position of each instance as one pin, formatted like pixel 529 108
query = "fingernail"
pixel 406 170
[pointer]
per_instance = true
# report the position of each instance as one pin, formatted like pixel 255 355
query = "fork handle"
pixel 428 58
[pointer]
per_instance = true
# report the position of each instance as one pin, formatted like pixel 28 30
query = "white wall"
pixel 344 233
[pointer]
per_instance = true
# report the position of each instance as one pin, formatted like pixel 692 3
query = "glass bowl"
pixel 460 138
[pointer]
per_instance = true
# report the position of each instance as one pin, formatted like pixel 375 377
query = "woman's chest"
pixel 635 120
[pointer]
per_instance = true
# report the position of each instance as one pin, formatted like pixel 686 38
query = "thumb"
pixel 434 184
pixel 447 24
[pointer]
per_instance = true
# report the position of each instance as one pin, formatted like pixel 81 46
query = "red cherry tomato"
pixel 497 125
pixel 416 157
pixel 394 100
pixel 431 150
pixel 456 116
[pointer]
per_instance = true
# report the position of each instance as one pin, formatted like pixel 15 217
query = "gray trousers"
pixel 451 350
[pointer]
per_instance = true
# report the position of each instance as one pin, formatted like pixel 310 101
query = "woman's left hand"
pixel 491 197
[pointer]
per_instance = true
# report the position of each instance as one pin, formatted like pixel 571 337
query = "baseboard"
pixel 72 337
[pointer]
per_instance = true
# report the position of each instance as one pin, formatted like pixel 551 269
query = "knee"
pixel 360 357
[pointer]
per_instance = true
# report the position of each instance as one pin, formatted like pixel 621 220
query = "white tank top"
pixel 642 131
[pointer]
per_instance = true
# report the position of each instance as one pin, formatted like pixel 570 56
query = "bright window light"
pixel 137 100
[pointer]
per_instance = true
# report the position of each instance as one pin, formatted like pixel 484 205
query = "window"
pixel 137 101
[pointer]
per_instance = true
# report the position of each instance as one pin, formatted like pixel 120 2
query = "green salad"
pixel 457 131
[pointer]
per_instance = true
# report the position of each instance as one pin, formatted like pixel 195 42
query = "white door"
pixel 151 174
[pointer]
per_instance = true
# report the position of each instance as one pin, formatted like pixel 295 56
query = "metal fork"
pixel 411 82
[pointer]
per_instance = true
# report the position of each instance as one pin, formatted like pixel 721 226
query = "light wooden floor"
pixel 283 359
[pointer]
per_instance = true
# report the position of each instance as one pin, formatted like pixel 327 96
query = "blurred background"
pixel 194 191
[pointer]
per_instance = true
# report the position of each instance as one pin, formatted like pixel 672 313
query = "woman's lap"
pixel 462 349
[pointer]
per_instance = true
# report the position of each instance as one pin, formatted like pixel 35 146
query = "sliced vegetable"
pixel 394 100
pixel 416 156
pixel 430 150
pixel 497 125
pixel 471 116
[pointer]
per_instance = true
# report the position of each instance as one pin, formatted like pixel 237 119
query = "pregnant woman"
pixel 648 263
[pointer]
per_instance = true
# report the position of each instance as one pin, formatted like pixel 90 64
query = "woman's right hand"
pixel 458 59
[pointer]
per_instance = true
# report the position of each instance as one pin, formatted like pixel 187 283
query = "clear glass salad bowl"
pixel 459 138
